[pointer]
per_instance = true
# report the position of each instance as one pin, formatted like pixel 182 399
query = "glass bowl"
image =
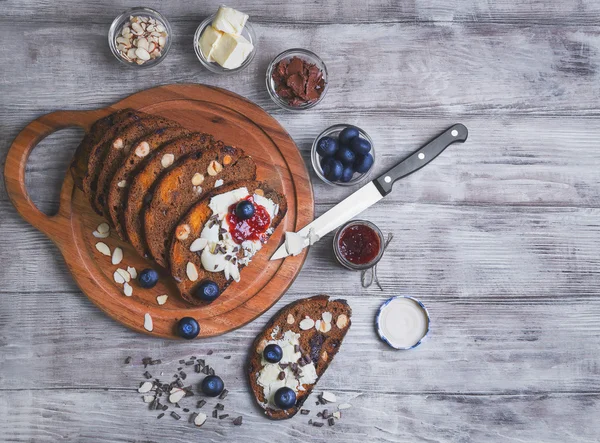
pixel 117 26
pixel 304 54
pixel 315 158
pixel 348 264
pixel 247 33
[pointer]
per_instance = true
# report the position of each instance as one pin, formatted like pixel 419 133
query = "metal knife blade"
pixel 374 191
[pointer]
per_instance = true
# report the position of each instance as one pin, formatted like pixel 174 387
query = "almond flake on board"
pixel 103 248
pixel 131 270
pixel 176 395
pixel 126 276
pixel 344 406
pixel 162 299
pixel 117 256
pixel 103 228
pixel 146 386
pixel 100 235
pixel 148 326
pixel 148 398
pixel 118 278
pixel 329 397
pixel 200 419
pixel 127 289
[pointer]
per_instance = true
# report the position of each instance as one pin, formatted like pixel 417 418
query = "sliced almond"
pixel 306 323
pixel 148 326
pixel 191 271
pixel 259 192
pixel 132 271
pixel 322 326
pixel 261 346
pixel 214 168
pixel 176 395
pixel 117 256
pixel 142 54
pixel 290 319
pixel 142 43
pixel 342 321
pixel 200 419
pixel 122 184
pixel 197 179
pixel 337 414
pixel 327 317
pixel 227 159
pixel 103 248
pixel 148 398
pixel 324 356
pixel 143 149
pixel 197 189
pixel 167 160
pixel 123 273
pixel 162 299
pixel 136 29
pixel 329 397
pixel 118 278
pixel 218 183
pixel 100 235
pixel 182 232
pixel 127 289
pixel 146 386
pixel 342 406
pixel 161 41
pixel 118 143
pixel 131 53
pixel 198 245
pixel 103 228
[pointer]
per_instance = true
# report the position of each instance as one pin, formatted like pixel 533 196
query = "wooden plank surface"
pixel 499 236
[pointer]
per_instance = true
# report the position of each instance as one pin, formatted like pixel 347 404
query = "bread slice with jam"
pixel 207 248
pixel 310 332
pixel 186 183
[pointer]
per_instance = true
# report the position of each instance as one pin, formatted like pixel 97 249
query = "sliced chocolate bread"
pixel 120 148
pixel 99 150
pixel 119 186
pixel 310 333
pixel 141 184
pixel 79 164
pixel 188 182
pixel 206 247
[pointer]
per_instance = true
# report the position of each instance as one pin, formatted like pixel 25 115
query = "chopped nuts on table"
pixel 141 39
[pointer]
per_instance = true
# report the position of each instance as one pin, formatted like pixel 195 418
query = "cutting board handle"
pixel 16 163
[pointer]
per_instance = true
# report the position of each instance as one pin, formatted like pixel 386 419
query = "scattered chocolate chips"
pixel 192 417
pixel 219 407
pixel 298 81
pixel 210 352
pixel 175 415
pixel 227 357
pixel 183 375
pixel 237 421
pixel 147 375
pixel 200 403
pixel 318 424
pixel 186 410
pixel 189 363
pixel 221 417
pixel 281 375
pixel 223 394
pixel 161 415
pixel 181 362
pixel 304 411
pixel 331 421
pixel 215 413
pixel 128 360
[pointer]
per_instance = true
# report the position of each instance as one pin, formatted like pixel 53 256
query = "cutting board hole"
pixel 47 166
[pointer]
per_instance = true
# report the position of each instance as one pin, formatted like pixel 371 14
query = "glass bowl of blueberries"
pixel 343 155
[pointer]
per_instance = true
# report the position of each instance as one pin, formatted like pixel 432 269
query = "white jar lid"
pixel 402 322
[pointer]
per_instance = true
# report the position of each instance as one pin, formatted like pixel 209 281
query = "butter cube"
pixel 231 51
pixel 229 20
pixel 208 41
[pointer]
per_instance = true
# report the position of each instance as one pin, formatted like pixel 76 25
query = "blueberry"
pixel 347 174
pixel 333 170
pixel 273 353
pixel 208 290
pixel 324 161
pixel 285 398
pixel 360 145
pixel 347 134
pixel 148 278
pixel 327 146
pixel 346 156
pixel 363 163
pixel 244 210
pixel 212 385
pixel 188 328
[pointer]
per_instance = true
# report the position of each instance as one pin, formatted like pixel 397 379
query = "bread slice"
pixel 121 145
pixel 79 164
pixel 119 185
pixel 99 150
pixel 141 184
pixel 319 341
pixel 189 229
pixel 188 182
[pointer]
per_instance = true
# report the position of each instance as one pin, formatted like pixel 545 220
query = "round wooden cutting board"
pixel 227 117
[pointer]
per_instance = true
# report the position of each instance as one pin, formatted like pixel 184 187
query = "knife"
pixel 374 191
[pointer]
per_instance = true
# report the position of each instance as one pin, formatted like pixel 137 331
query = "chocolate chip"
pixel 325 413
pixel 189 363
pixel 200 403
pixel 223 394
pixel 161 415
pixel 128 360
pixel 186 410
pixel 175 415
pixel 215 413
pixel 181 362
pixel 296 348
pixel 193 416
pixel 193 357
pixel 318 424
pixel 221 417
pixel 183 375
pixel 219 407
pixel 211 371
pixel 331 421
pixel 237 421
pixel 227 357
pixel 198 368
pixel 210 352
pixel 165 407
pixel 304 411
pixel 281 375
pixel 147 375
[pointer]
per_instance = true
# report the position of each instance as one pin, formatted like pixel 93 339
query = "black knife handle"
pixel 418 159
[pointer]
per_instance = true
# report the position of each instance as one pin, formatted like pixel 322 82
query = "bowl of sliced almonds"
pixel 140 37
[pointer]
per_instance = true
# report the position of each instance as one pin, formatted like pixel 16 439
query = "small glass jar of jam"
pixel 358 245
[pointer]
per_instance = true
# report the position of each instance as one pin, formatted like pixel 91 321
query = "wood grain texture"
pixel 499 237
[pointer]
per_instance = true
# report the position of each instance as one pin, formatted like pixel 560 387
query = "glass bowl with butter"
pixel 225 42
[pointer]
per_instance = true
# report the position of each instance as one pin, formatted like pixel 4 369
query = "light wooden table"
pixel 499 237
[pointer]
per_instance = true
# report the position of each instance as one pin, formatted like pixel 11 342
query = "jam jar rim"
pixel 348 264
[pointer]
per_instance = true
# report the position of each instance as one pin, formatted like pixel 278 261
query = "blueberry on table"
pixel 360 145
pixel 208 290
pixel 285 398
pixel 148 278
pixel 244 210
pixel 188 328
pixel 345 155
pixel 347 174
pixel 273 353
pixel 212 385
pixel 333 170
pixel 347 134
pixel 327 146
pixel 363 163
